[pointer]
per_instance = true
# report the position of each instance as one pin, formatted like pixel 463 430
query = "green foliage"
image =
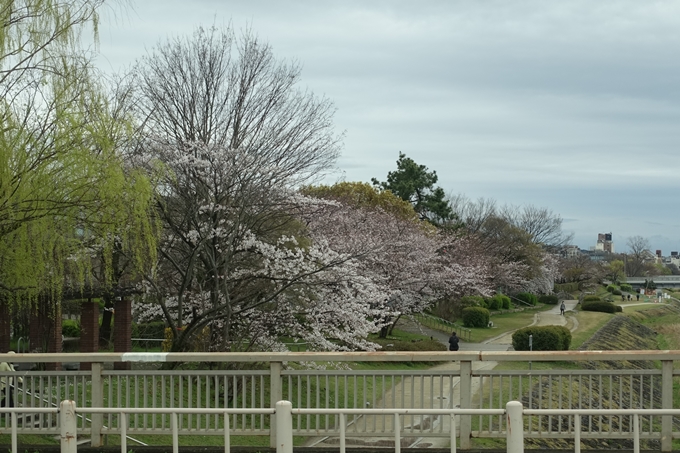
pixel 493 303
pixel 548 299
pixel 649 284
pixel 475 317
pixel 615 270
pixel 70 328
pixel 616 292
pixel 528 298
pixel 626 287
pixel 612 288
pixel 604 307
pixel 68 201
pixel 544 338
pixel 415 184
pixel 466 301
pixel 498 302
pixel 591 298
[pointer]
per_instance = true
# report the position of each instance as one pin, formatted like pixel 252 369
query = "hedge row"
pixel 604 307
pixel 566 287
pixel 544 338
pixel 548 299
pixel 592 298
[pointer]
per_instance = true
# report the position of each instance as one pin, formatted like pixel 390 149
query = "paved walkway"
pixel 436 387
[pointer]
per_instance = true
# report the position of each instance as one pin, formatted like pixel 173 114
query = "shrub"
pixel 612 288
pixel 604 307
pixel 616 292
pixel 70 328
pixel 505 301
pixel 494 303
pixel 475 317
pixel 591 298
pixel 544 338
pixel 528 298
pixel 548 299
pixel 626 287
pixel 467 301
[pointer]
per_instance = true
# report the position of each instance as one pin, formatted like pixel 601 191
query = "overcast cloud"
pixel 571 105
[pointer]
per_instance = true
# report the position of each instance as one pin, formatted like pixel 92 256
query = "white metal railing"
pixel 467 385
pixel 14 423
pixel 514 412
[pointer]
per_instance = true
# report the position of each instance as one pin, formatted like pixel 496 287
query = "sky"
pixel 570 105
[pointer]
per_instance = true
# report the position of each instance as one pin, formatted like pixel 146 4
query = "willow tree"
pixel 67 197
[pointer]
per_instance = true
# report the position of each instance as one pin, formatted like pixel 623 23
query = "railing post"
pixel 284 427
pixel 68 425
pixel 465 403
pixel 666 403
pixel 514 427
pixel 275 392
pixel 97 401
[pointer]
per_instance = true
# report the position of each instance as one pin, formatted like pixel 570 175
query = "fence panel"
pixel 194 389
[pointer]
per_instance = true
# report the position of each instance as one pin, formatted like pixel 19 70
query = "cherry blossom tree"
pixel 414 262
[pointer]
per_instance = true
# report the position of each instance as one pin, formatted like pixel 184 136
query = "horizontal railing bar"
pixel 172 410
pixel 183 373
pixel 379 356
pixel 29 410
pixel 558 372
pixel 602 412
pixel 344 373
pixel 400 411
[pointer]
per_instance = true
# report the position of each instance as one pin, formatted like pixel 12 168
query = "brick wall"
pixel 122 330
pixel 89 330
pixel 5 330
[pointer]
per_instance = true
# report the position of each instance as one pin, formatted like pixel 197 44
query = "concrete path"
pixel 446 387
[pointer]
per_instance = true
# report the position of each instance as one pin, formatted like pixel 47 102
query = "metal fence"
pixel 467 383
pixel 514 413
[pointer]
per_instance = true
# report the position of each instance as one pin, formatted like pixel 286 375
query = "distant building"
pixel 595 255
pixel 604 243
pixel 570 251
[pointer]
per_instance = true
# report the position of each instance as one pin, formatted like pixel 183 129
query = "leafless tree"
pixel 639 254
pixel 544 226
pixel 472 213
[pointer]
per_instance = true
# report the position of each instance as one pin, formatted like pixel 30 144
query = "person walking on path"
pixel 7 384
pixel 453 342
pixel 562 308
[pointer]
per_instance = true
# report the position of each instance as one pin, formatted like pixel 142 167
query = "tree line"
pixel 191 184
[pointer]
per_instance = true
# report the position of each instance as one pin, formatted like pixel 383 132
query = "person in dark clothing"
pixel 453 342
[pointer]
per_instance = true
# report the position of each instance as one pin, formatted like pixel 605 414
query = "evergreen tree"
pixel 415 184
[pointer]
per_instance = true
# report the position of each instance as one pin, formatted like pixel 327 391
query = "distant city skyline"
pixel 570 105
